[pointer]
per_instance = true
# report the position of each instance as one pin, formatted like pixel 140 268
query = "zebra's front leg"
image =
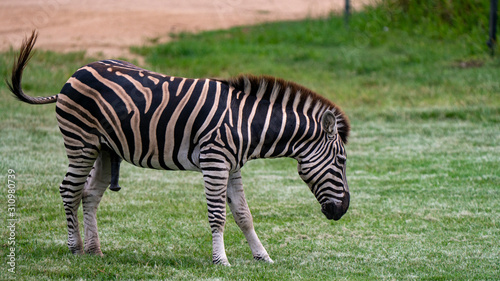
pixel 216 177
pixel 97 182
pixel 243 217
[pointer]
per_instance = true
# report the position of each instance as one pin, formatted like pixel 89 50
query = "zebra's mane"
pixel 254 85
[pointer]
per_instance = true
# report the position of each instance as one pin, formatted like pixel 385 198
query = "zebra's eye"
pixel 341 159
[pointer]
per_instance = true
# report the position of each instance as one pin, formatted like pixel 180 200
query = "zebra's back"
pixel 148 119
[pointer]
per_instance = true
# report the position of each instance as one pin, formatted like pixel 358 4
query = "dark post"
pixel 493 26
pixel 346 13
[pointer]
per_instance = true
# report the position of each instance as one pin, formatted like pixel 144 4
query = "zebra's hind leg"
pixel 71 190
pixel 97 182
pixel 241 213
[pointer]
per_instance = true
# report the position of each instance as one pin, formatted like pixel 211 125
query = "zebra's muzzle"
pixel 335 210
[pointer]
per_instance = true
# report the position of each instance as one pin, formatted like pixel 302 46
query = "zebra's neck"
pixel 273 123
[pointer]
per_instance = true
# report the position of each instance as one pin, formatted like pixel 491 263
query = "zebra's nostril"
pixel 334 210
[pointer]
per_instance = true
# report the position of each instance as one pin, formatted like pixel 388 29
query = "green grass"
pixel 423 164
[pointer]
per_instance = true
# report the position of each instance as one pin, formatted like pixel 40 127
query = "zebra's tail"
pixel 25 55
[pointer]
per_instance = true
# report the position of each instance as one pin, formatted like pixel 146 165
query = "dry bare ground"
pixel 108 28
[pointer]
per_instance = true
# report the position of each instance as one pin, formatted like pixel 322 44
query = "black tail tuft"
pixel 14 85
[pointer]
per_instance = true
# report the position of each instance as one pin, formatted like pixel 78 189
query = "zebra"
pixel 111 110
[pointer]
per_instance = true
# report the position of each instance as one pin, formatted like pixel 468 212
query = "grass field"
pixel 423 164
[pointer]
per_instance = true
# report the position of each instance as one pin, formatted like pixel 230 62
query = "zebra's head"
pixel 324 168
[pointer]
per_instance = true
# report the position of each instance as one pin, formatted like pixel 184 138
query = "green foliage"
pixel 444 16
pixel 438 19
pixel 423 159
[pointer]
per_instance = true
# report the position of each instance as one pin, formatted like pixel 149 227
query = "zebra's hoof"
pixel 264 259
pixel 94 251
pixel 115 187
pixel 222 262
pixel 76 250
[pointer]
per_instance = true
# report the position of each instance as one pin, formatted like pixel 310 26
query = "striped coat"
pixel 112 110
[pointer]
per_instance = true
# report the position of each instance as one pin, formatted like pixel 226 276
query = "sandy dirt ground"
pixel 108 27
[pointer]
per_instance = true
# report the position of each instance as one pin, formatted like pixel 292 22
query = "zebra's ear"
pixel 329 123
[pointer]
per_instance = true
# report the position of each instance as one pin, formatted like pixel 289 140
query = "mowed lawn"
pixel 423 165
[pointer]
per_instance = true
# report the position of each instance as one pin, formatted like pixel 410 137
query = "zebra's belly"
pixel 162 158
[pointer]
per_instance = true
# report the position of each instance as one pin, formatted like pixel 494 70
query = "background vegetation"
pixel 423 161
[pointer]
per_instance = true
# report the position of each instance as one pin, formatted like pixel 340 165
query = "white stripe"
pixel 284 103
pixel 170 132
